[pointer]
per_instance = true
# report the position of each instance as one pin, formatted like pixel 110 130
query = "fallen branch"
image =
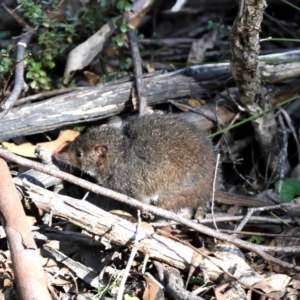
pixel 145 207
pixel 101 101
pixel 29 275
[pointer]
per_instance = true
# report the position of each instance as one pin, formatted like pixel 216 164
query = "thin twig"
pixel 131 258
pixel 17 18
pixel 19 74
pixel 211 259
pixel 214 191
pixel 46 94
pixel 251 211
pixel 255 219
pixel 292 128
pixel 145 207
pixel 284 154
pixel 137 66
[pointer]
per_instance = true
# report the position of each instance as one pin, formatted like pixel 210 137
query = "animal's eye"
pixel 79 154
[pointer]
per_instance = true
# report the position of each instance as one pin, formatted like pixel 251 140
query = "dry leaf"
pixel 196 102
pixel 199 47
pixel 149 68
pixel 83 54
pixel 60 281
pixel 196 261
pixel 123 214
pixel 7 282
pixel 275 283
pixel 147 227
pixel 152 291
pixel 134 99
pixel 296 282
pixel 289 238
pixel 92 78
pixel 229 257
pixel 31 220
pixel 27 149
pixel 139 9
pixel 218 291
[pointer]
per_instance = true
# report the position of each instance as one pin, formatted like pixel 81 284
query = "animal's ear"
pixel 101 154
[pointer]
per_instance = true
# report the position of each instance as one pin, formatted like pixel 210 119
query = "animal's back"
pixel 173 158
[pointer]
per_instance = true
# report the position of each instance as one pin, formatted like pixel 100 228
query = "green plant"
pixel 120 40
pixel 6 61
pixel 79 128
pixel 197 281
pixel 57 33
pixel 53 36
pixel 38 77
pixel 259 240
pixel 109 288
pixel 223 30
pixel 52 40
pixel 289 189
pixel 126 64
pixel 127 297
pixel 93 14
pixel 224 130
pixel 113 76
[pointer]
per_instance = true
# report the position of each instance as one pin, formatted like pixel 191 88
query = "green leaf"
pixel 129 25
pixel 116 19
pixel 48 56
pixel 36 65
pixel 42 37
pixel 42 73
pixel 79 128
pixel 123 28
pixel 128 63
pixel 52 34
pixel 119 41
pixel 46 23
pixel 51 64
pixel 120 5
pixel 290 189
pixel 33 84
pixel 127 297
pixel 42 80
pixel 29 75
pixel 29 3
pixel 197 280
pixel 38 10
pixel 127 6
pixel 256 239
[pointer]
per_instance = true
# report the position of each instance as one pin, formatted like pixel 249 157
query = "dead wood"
pixel 195 6
pixel 110 227
pixel 138 72
pixel 30 278
pixel 101 101
pixel 245 48
pixel 144 207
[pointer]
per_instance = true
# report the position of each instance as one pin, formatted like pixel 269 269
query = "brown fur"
pixel 158 159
